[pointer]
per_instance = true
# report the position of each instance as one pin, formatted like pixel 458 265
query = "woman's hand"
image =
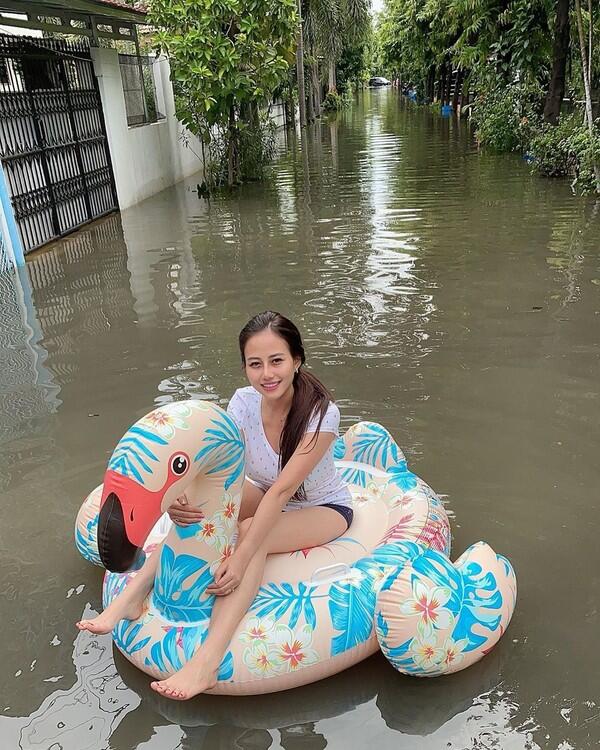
pixel 182 515
pixel 228 576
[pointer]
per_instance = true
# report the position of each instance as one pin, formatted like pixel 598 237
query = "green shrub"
pixel 566 149
pixel 333 102
pixel 505 117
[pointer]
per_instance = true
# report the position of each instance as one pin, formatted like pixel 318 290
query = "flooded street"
pixel 446 293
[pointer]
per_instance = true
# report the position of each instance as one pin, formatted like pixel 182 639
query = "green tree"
pixel 227 57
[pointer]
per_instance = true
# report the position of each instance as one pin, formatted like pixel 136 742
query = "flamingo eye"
pixel 179 464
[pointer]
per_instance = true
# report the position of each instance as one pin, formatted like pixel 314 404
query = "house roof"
pixel 138 6
pixel 116 9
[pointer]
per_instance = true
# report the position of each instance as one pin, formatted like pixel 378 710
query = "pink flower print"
pixel 257 630
pixel 425 652
pixel 293 647
pixel 230 509
pixel 166 420
pixel 453 651
pixel 261 660
pixel 428 605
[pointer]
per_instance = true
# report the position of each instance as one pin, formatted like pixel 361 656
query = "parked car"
pixel 379 81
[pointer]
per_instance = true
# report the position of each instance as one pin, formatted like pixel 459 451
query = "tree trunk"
pixel 300 69
pixel 316 86
pixel 430 93
pixel 560 54
pixel 231 156
pixel 442 83
pixel 585 67
pixel 448 84
pixel 332 81
pixel 310 103
pixel 457 88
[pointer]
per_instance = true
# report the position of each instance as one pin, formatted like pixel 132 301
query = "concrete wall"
pixel 146 158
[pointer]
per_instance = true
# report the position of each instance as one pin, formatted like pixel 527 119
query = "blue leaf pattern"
pixel 275 600
pixel 351 606
pixel 124 635
pixel 373 444
pixel 224 449
pixel 132 453
pixel 474 599
pixel 173 596
pixel 179 642
pixel 87 545
pixel 402 477
pixel 339 449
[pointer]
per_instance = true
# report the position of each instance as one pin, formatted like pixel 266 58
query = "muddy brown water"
pixel 446 293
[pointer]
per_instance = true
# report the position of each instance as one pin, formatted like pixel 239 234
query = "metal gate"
pixel 53 143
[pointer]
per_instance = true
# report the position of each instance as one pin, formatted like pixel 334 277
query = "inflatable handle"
pixel 330 573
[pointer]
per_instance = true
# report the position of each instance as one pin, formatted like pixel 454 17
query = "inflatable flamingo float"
pixel 388 583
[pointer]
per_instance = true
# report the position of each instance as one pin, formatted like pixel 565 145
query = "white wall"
pixel 147 158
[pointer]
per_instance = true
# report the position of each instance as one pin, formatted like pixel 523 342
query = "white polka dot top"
pixel 323 485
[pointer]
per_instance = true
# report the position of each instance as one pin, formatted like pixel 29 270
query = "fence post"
pixel 8 225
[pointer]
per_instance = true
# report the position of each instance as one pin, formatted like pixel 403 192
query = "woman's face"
pixel 269 364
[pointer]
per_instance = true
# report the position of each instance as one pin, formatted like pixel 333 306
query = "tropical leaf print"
pixel 339 449
pixel 375 446
pixel 174 596
pixel 399 530
pixel 124 635
pixel 223 449
pixel 352 602
pixel 166 654
pixel 402 477
pixel 351 606
pixel 354 476
pixel 275 600
pixel 114 583
pixel 474 595
pixel 133 455
pixel 87 544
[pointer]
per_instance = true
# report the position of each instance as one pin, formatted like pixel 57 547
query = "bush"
pixel 566 149
pixel 333 102
pixel 255 148
pixel 505 118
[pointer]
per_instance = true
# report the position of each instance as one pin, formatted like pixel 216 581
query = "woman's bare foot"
pixel 193 678
pixel 122 608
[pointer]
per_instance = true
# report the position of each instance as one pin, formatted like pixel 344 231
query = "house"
pixel 87 123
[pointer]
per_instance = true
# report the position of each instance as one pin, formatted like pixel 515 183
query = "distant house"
pixel 87 124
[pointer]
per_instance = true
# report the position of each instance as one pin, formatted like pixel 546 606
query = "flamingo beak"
pixel 128 512
pixel 117 553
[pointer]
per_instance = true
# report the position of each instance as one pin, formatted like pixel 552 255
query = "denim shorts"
pixel 344 511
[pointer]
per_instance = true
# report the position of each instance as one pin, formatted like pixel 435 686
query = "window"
pixel 139 89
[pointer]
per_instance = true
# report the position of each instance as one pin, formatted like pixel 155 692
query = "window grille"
pixel 139 89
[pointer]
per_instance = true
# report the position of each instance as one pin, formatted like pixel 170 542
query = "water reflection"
pixel 442 292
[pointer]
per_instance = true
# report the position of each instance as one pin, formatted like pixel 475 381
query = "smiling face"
pixel 269 364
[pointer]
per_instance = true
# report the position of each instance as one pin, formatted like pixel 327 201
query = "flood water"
pixel 445 293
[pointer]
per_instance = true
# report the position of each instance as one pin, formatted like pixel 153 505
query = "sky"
pixel 377 5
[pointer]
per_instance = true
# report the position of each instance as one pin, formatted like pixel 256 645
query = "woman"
pixel 290 424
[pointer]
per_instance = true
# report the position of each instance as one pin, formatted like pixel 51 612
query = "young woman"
pixel 293 497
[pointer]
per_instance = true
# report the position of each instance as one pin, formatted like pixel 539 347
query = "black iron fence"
pixel 140 89
pixel 53 145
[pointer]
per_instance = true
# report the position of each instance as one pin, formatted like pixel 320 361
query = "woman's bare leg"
pixel 129 603
pixel 300 529
pixel 251 497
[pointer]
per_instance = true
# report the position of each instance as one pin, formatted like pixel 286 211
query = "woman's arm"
pixel 306 456
pixel 304 459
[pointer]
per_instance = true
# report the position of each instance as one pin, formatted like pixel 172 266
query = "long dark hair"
pixel 310 395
